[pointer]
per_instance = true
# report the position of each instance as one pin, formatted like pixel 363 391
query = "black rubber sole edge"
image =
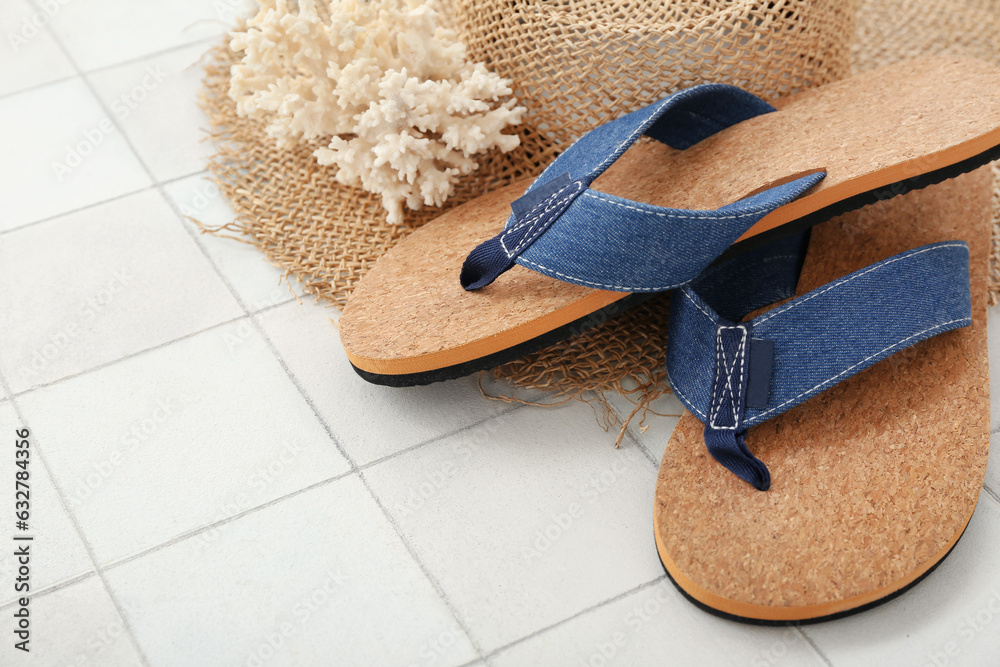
pixel 808 621
pixel 600 316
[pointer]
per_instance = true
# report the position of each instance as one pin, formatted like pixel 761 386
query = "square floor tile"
pixel 31 56
pixel 258 283
pixel 60 152
pixel 526 519
pixel 177 438
pixel 98 33
pixel 58 552
pixel 74 626
pixel 154 101
pixel 950 618
pixel 317 579
pixel 657 626
pixel 370 421
pixel 96 285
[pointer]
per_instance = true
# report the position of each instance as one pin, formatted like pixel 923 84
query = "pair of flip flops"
pixel 796 488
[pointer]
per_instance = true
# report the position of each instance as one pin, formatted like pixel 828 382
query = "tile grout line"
pixel 425 570
pixel 154 54
pixel 309 402
pixel 991 493
pixel 226 520
pixel 54 587
pixel 152 348
pixel 571 617
pixel 130 193
pixel 38 86
pixel 126 623
pixel 79 532
pixel 437 438
pixel 221 522
pixel 51 218
pixel 354 468
pixel 132 355
pixel 270 344
pixel 815 647
pixel 102 68
pixel 635 441
pixel 378 501
pixel 229 519
pixel 59 492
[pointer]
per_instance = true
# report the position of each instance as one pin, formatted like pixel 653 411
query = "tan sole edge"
pixel 804 613
pixel 409 316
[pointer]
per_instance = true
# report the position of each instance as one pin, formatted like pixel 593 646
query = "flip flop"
pixel 592 235
pixel 871 476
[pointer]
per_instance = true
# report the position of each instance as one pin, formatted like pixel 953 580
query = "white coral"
pixel 383 83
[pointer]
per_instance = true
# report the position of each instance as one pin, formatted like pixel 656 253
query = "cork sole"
pixel 873 481
pixel 876 135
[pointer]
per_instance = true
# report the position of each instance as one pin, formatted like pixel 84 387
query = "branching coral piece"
pixel 383 83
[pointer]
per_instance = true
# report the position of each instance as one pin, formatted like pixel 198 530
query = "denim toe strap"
pixel 734 374
pixel 564 229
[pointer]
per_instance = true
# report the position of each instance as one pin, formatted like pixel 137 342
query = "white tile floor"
pixel 212 483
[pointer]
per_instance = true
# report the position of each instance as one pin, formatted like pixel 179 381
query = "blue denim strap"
pixel 818 339
pixel 612 243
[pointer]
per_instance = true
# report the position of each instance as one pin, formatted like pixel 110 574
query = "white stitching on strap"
pixel 687 403
pixel 844 281
pixel 892 347
pixel 706 215
pixel 635 134
pixel 531 236
pixel 727 368
pixel 617 288
pixel 685 292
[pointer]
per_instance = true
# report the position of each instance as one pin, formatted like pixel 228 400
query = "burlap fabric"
pixel 574 64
